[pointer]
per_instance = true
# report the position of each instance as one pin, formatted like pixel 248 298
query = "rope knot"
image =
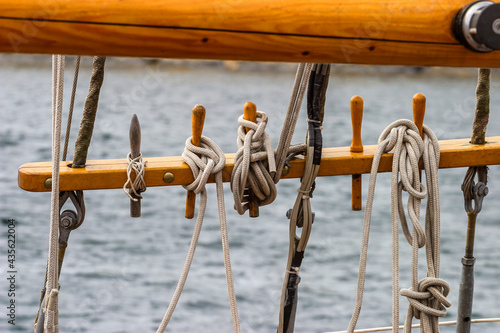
pixel 204 160
pixel 430 298
pixel 139 184
pixel 254 164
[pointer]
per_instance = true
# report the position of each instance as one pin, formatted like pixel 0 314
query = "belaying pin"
pixel 197 122
pixel 135 151
pixel 356 147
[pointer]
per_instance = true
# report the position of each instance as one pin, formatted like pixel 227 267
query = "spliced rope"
pixel 139 184
pixel 51 323
pixel 253 173
pixel 211 160
pixel 427 297
pixel 301 214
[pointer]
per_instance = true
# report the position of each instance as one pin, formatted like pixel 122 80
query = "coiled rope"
pixel 254 146
pixel 427 297
pixel 253 173
pixel 211 160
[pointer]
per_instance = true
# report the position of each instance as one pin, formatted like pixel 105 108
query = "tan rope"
pixel 443 323
pixel 427 297
pixel 299 89
pixel 205 160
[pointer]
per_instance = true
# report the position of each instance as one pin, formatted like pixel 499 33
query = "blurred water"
pixel 120 273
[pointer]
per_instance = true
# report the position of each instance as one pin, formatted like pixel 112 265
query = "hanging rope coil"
pixel 204 161
pixel 139 184
pixel 427 297
pixel 253 172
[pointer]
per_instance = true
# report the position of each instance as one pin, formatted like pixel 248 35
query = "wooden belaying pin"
pixel 135 151
pixel 197 122
pixel 356 147
pixel 419 112
pixel 250 113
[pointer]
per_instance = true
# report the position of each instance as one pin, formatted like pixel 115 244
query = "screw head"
pixel 48 183
pixel 168 177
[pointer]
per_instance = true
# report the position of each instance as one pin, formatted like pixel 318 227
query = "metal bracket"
pixel 479 191
pixel 70 220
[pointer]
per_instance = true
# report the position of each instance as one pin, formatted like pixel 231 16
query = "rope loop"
pixel 139 184
pixel 204 160
pixel 430 298
pixel 250 169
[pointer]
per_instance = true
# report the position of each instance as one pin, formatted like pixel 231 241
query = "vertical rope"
pixel 51 322
pixel 482 107
pixel 89 113
pixel 71 106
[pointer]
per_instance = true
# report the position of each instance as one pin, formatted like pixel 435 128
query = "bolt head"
pixel 168 177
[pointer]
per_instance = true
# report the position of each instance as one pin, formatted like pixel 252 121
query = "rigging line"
pixel 51 307
pixel 71 106
pixel 257 32
pixel 443 323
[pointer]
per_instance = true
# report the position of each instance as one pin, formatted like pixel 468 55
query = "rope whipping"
pixel 473 193
pixel 301 214
pixel 51 322
pixel 427 297
pixel 89 113
pixel 204 161
pixel 138 185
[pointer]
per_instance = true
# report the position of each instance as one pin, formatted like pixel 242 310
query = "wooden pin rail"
pixel 109 174
pixel 384 32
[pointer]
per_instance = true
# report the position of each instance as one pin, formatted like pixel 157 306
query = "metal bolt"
pixel 496 26
pixel 66 222
pixel 168 177
pixel 48 183
pixel 285 171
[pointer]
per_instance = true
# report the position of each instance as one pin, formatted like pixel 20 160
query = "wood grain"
pixel 109 174
pixel 395 32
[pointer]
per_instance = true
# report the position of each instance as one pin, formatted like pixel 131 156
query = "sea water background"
pixel 120 273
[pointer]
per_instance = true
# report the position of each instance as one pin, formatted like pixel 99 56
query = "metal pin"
pixel 135 151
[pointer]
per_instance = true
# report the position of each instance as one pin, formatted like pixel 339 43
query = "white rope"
pixel 205 160
pixel 427 297
pixel 139 184
pixel 253 172
pixel 443 323
pixel 51 295
pixel 299 89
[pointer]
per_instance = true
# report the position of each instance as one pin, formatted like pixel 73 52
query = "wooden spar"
pixel 109 174
pixel 384 32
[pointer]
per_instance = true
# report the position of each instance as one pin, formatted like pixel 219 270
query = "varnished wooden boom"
pixel 109 174
pixel 385 32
